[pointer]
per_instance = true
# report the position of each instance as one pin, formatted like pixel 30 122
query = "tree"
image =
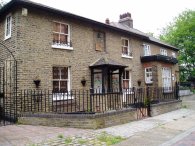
pixel 181 33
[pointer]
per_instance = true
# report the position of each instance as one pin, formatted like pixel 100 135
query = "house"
pixel 66 51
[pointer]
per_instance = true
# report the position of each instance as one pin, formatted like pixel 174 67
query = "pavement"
pixel 176 128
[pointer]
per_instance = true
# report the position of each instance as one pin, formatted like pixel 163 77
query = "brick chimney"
pixel 126 19
pixel 107 21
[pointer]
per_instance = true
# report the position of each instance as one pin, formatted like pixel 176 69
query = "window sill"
pixel 126 56
pixel 149 82
pixel 62 47
pixel 167 92
pixel 7 37
pixel 62 97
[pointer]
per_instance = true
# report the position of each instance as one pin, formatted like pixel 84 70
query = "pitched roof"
pixel 104 61
pixel 113 26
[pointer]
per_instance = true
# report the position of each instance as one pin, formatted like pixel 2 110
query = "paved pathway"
pixel 19 135
pixel 129 129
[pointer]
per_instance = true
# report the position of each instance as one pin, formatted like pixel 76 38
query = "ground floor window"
pixel 166 79
pixel 148 75
pixel 126 79
pixel 61 79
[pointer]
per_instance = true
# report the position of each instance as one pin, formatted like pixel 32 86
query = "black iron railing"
pixel 91 101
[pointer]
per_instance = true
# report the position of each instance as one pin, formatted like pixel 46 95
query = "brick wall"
pixel 94 121
pixel 165 107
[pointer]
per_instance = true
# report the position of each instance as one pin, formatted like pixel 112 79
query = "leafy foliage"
pixel 181 33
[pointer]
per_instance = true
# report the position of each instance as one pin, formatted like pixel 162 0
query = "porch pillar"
pixel 92 78
pixel 120 78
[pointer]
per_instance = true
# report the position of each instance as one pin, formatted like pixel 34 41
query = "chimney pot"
pixel 126 19
pixel 107 21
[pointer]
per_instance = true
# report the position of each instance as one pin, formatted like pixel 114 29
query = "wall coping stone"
pixel 165 103
pixel 84 115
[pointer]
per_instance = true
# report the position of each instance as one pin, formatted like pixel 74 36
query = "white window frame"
pixel 63 96
pixel 8 26
pixel 173 54
pixel 124 79
pixel 147 50
pixel 128 91
pixel 166 79
pixel 59 45
pixel 128 55
pixel 163 52
pixel 148 80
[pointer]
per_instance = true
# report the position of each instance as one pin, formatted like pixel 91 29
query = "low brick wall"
pixel 95 121
pixel 92 121
pixel 164 107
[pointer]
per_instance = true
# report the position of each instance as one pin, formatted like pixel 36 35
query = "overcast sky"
pixel 148 15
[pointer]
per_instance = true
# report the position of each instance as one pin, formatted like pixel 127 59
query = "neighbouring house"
pixel 46 53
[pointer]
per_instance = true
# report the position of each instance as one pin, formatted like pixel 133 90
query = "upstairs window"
pixel 8 26
pixel 163 52
pixel 147 51
pixel 61 36
pixel 126 48
pixel 61 82
pixel 99 41
pixel 173 55
pixel 148 75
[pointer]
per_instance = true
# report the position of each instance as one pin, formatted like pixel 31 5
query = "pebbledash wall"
pixel 32 40
pixel 95 121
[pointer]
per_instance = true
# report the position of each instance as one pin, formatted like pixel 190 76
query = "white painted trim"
pixel 68 78
pixel 8 36
pixel 147 82
pixel 62 47
pixel 127 56
pixel 62 96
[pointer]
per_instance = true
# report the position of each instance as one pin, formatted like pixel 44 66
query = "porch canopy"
pixel 106 74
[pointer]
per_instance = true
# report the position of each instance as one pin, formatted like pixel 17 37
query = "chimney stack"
pixel 126 19
pixel 107 21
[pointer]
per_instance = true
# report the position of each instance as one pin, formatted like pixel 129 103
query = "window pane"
pixel 64 73
pixel 125 84
pixel 64 28
pixel 56 86
pixel 125 50
pixel 56 27
pixel 56 73
pixel 56 38
pixel 63 86
pixel 127 74
pixel 63 39
pixel 126 43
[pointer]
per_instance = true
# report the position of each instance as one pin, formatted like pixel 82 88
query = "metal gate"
pixel 8 86
pixel 8 92
pixel 142 103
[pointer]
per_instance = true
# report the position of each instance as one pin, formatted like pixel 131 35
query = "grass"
pixel 68 140
pixel 82 141
pixel 109 139
pixel 184 106
pixel 60 136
